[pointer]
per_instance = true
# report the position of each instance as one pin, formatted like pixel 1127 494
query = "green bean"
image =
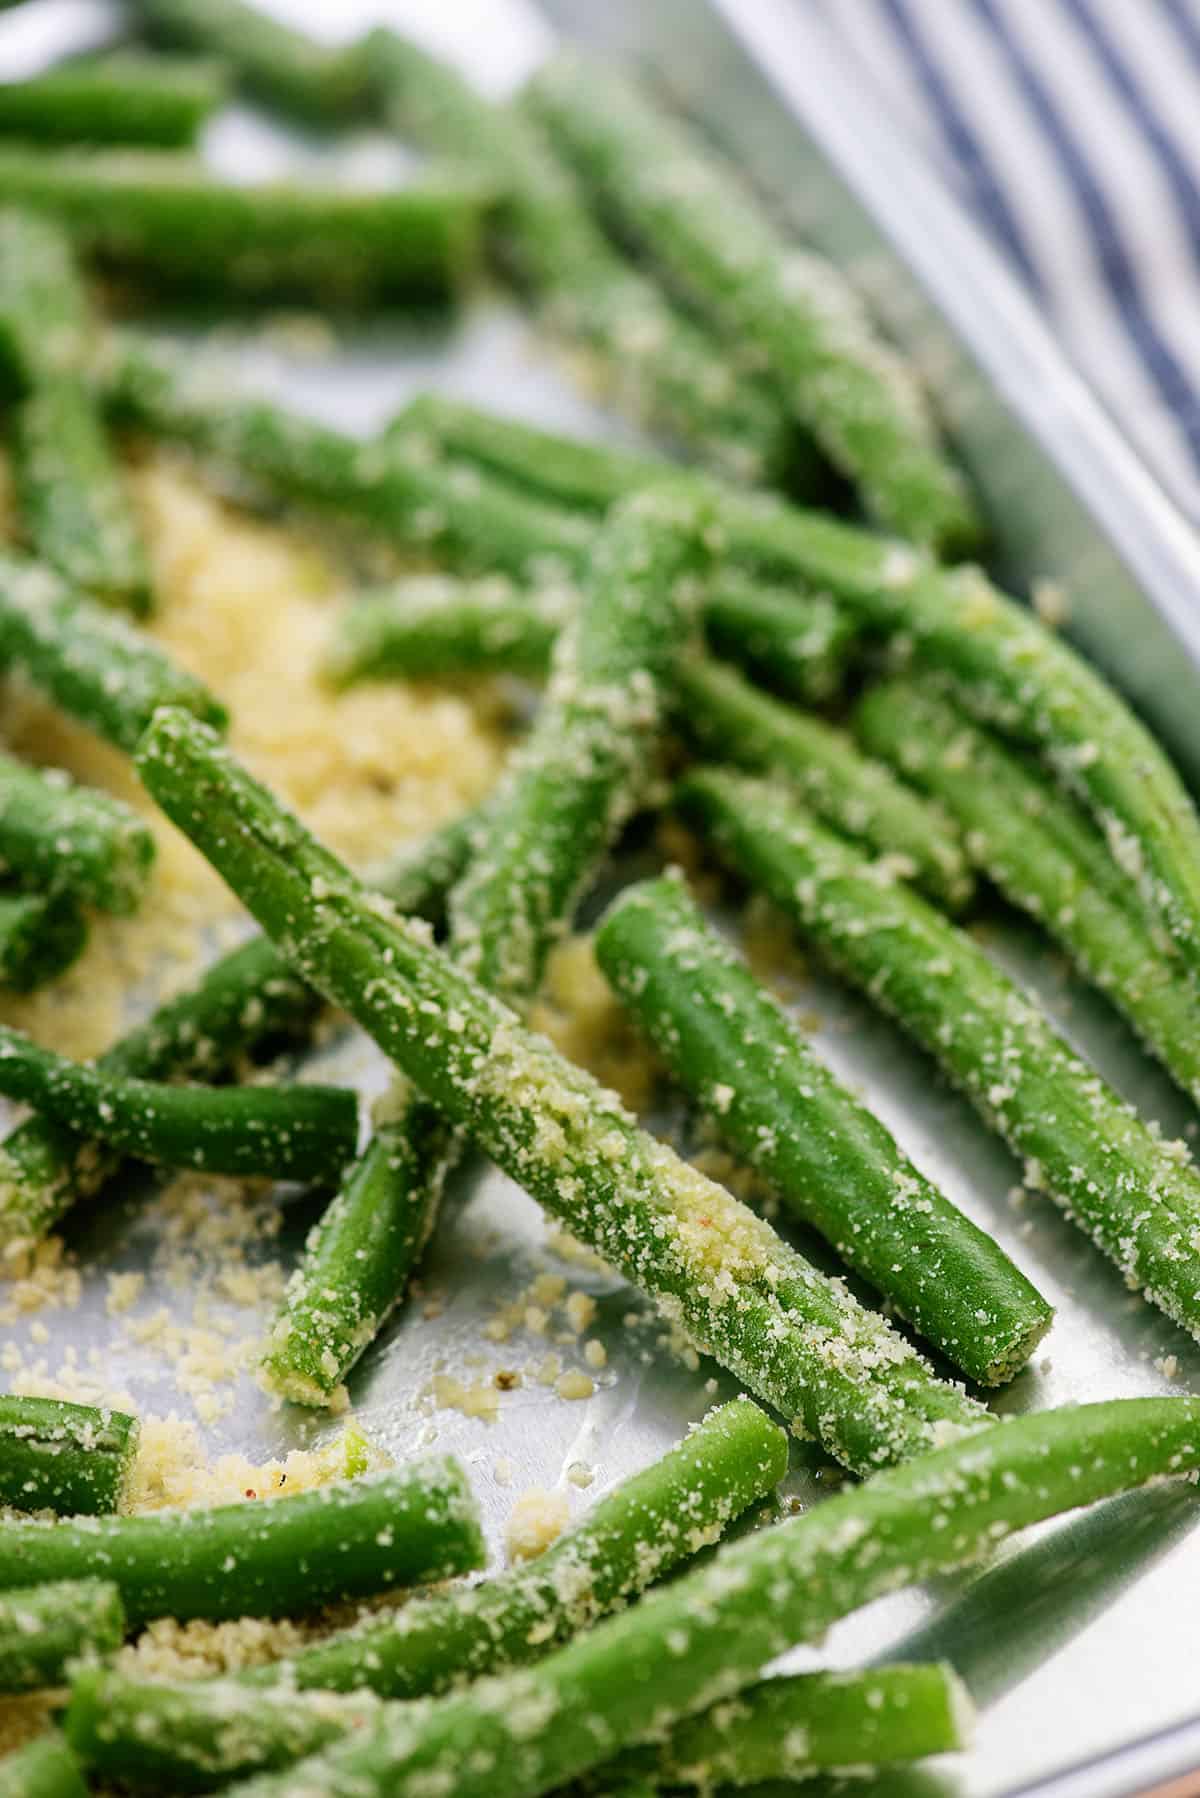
pixel 360 1254
pixel 792 1728
pixel 1136 1196
pixel 164 215
pixel 634 1536
pixel 40 936
pixel 586 475
pixel 796 1339
pixel 1005 665
pixel 60 837
pixel 43 1629
pixel 433 625
pixel 124 98
pixel 272 61
pixel 73 505
pixel 737 1052
pixel 58 1456
pixel 570 787
pixel 707 1635
pixel 796 642
pixel 719 249
pixel 277 1557
pixel 155 1736
pixel 45 1769
pixel 1046 858
pixel 430 625
pixel 207 1732
pixel 725 716
pixel 192 1736
pixel 560 803
pixel 653 362
pixel 247 1000
pixel 88 661
pixel 295 1132
pixel 408 498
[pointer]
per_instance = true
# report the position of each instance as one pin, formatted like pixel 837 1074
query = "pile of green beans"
pixel 669 194
pixel 247 1000
pixel 722 1272
pixel 860 733
pixel 1137 1196
pixel 708 1635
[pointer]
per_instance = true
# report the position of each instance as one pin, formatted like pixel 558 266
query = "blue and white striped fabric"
pixel 1072 129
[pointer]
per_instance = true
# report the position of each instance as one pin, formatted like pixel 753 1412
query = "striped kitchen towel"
pixel 1072 130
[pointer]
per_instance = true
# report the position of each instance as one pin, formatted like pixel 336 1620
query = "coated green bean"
pixel 797 1340
pixel 247 1000
pixel 1046 857
pixel 737 1052
pixel 706 1636
pixel 295 1132
pixel 44 1629
pixel 725 716
pixel 88 661
pixel 40 936
pixel 636 1535
pixel 271 60
pixel 45 1769
pixel 1136 1196
pixel 692 216
pixel 59 1456
pixel 60 837
pixel 73 504
pixel 276 1557
pixel 652 361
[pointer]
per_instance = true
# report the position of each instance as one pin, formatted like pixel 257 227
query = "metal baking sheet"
pixel 1077 1642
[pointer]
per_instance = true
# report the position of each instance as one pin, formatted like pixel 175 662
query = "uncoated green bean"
pixel 797 1340
pixel 74 508
pixel 123 98
pixel 1136 1196
pixel 276 1557
pixel 1046 857
pixel 44 1629
pixel 246 1000
pixel 653 362
pixel 704 1637
pixel 692 216
pixel 296 1132
pixel 60 837
pixel 59 1456
pixel 826 1156
pixel 164 215
pixel 271 60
